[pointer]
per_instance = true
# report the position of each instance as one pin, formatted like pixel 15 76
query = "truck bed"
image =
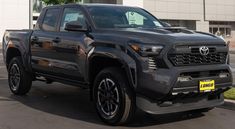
pixel 17 39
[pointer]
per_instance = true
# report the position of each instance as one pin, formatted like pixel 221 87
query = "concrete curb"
pixel 229 102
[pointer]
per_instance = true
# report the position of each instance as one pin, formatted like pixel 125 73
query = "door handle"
pixel 56 40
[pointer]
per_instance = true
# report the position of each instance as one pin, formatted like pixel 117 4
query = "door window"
pixel 50 20
pixel 72 14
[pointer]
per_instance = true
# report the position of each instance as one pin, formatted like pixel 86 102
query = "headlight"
pixel 147 50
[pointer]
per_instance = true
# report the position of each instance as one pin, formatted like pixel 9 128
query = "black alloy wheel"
pixel 19 80
pixel 114 99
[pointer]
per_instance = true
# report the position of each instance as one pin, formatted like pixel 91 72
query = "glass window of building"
pixel 221 29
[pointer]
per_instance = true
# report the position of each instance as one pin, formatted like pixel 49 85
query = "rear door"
pixel 43 42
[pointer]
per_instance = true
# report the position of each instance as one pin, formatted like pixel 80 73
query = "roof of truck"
pixel 90 5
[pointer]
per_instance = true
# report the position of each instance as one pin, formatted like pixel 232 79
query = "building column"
pixel 30 14
pixel 202 26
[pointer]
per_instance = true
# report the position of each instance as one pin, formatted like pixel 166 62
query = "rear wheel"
pixel 113 98
pixel 19 80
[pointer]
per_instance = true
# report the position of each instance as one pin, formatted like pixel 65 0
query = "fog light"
pixel 184 79
pixel 223 75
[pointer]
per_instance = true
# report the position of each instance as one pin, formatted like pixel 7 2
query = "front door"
pixel 71 48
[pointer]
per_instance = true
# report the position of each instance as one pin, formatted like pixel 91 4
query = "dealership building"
pixel 203 15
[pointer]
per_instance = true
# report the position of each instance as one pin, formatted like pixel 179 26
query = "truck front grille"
pixel 197 59
pixel 190 55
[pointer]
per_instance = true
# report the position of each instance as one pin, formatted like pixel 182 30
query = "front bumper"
pixel 172 107
pixel 159 91
pixel 160 83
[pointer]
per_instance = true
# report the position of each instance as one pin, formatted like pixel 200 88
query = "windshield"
pixel 122 17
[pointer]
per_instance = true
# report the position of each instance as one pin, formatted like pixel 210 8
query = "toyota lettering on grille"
pixel 204 50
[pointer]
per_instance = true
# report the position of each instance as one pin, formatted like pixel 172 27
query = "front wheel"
pixel 113 98
pixel 19 80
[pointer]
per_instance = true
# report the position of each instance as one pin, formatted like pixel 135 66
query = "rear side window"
pixel 50 20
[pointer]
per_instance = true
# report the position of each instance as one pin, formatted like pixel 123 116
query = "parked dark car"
pixel 125 56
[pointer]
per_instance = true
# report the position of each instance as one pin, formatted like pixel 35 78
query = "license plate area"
pixel 206 85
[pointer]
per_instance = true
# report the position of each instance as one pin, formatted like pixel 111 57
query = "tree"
pixel 53 2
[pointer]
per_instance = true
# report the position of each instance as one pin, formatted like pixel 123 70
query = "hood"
pixel 164 35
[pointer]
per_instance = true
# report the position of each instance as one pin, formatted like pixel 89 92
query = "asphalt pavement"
pixel 59 106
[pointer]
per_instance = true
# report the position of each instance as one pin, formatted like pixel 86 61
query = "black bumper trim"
pixel 154 108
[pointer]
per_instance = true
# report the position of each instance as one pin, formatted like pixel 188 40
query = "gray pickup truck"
pixel 125 56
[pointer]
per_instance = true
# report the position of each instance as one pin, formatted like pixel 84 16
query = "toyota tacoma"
pixel 125 56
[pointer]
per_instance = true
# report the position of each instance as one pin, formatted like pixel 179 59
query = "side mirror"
pixel 74 26
pixel 165 24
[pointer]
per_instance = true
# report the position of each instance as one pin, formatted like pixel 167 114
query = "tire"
pixel 19 80
pixel 114 100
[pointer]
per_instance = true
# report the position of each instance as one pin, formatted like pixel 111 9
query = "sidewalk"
pixel 232 50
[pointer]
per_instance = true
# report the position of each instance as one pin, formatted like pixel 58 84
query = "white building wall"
pixel 138 3
pixel 175 9
pixel 202 26
pixel 220 10
pixel 14 14
pixel 179 10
